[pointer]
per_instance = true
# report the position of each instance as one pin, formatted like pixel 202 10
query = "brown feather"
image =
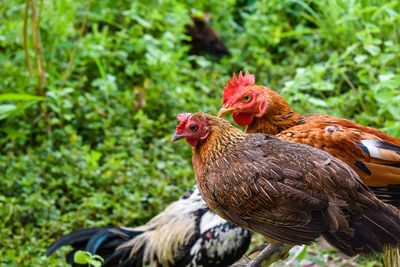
pixel 339 137
pixel 289 192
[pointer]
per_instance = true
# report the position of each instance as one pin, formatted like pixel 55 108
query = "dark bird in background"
pixel 288 192
pixel 186 233
pixel 374 155
pixel 204 39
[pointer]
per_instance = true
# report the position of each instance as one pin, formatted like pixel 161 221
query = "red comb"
pixel 183 117
pixel 235 85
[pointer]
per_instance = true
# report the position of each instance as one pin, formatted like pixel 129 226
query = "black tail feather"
pixel 372 231
pixel 74 239
pixel 102 241
pixel 109 235
pixel 121 258
pixel 389 194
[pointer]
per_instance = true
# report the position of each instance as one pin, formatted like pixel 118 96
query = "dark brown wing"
pixel 376 161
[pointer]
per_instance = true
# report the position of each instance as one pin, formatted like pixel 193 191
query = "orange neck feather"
pixel 221 138
pixel 278 117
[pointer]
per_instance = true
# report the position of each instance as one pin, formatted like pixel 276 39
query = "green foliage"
pixel 84 257
pixel 95 150
pixel 11 109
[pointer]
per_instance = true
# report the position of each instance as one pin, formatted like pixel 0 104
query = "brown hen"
pixel 288 192
pixel 374 155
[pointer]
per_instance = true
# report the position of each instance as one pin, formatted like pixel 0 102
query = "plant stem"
pixel 71 58
pixel 25 39
pixel 37 45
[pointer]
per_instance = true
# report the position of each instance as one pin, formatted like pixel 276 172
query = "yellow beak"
pixel 225 111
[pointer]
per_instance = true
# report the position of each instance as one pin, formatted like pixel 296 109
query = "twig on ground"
pixel 267 256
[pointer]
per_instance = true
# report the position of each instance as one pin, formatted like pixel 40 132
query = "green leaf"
pixel 98 258
pixel 360 58
pixel 10 254
pixel 383 95
pixel 6 110
pixel 95 263
pixel 394 110
pixel 21 97
pixel 82 257
pixel 372 49
pixel 317 101
pixel 141 21
pixel 303 253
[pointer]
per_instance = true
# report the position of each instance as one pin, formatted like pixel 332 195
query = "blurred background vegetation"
pixel 85 123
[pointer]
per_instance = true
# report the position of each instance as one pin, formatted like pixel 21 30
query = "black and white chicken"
pixel 186 233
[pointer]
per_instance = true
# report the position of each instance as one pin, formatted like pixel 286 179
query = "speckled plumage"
pixel 186 233
pixel 289 192
pixel 374 155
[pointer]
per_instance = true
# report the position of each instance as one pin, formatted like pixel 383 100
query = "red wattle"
pixel 243 119
pixel 192 141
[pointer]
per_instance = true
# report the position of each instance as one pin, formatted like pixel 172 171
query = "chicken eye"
pixel 194 127
pixel 246 98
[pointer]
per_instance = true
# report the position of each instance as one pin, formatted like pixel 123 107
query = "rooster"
pixel 374 155
pixel 186 233
pixel 288 192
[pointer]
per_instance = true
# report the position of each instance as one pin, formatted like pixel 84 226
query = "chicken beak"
pixel 177 136
pixel 225 111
